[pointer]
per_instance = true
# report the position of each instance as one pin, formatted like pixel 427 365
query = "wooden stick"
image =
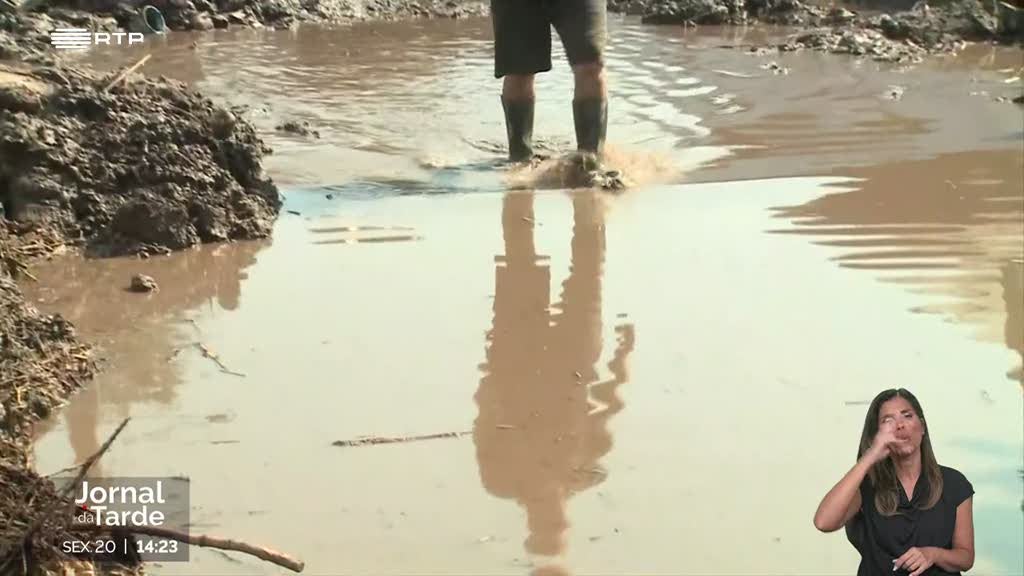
pixel 125 74
pixel 206 541
pixel 207 353
pixel 38 522
pixel 386 440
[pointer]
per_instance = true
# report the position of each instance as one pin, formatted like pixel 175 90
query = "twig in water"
pixel 273 556
pixel 209 354
pixel 174 354
pixel 24 270
pixel 61 471
pixel 38 522
pixel 395 440
pixel 128 71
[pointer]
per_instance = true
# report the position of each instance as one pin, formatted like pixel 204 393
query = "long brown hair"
pixel 883 474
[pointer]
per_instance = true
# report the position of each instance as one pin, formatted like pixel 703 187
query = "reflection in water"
pixel 951 226
pixel 82 417
pixel 136 335
pixel 543 409
pixel 1013 297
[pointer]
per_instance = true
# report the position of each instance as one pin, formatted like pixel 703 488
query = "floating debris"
pixel 371 440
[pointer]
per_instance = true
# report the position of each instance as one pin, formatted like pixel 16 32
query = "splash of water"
pixel 636 168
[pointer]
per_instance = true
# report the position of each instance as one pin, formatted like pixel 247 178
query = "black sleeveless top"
pixel 882 539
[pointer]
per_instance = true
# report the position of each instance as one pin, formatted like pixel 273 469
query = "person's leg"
pixel 517 99
pixel 522 48
pixel 582 27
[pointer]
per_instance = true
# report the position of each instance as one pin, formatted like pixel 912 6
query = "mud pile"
pixel 209 14
pixel 899 36
pixel 147 166
pixel 915 33
pixel 41 364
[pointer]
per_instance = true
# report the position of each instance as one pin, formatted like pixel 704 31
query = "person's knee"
pixel 518 87
pixel 590 80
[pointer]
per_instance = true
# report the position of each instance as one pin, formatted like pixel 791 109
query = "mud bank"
pixel 144 165
pixel 210 14
pixel 106 164
pixel 895 36
pixel 41 364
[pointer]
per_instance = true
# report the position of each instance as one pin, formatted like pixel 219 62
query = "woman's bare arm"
pixel 961 557
pixel 843 501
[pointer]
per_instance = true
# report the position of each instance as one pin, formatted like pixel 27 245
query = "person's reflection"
pixel 543 413
pixel 82 423
pixel 1013 296
pixel 139 338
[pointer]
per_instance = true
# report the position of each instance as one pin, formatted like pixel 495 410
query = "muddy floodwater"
pixel 661 382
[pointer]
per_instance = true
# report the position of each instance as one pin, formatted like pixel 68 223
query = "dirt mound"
pixel 204 14
pixel 713 12
pixel 41 364
pixel 910 35
pixel 906 35
pixel 208 14
pixel 151 165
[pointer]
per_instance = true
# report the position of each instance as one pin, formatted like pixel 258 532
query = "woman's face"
pixel 906 425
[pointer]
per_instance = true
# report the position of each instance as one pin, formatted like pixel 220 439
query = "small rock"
pixel 201 21
pixel 222 122
pixel 775 68
pixel 839 15
pixel 143 283
pixel 17 99
pixel 230 5
pixel 219 21
pixel 303 129
pixel 38 406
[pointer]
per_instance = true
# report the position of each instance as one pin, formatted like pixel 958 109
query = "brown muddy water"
pixel 662 382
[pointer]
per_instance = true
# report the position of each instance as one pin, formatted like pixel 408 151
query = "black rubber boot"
pixel 591 118
pixel 519 126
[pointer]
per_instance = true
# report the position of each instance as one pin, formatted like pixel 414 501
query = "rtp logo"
pixel 82 39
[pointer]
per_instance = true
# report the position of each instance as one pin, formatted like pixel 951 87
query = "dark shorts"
pixel 522 33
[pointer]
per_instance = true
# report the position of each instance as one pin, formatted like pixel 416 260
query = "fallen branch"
pixel 128 71
pixel 207 353
pixel 38 522
pixel 205 541
pixel 395 440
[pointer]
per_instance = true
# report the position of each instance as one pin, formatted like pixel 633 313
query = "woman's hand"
pixel 880 449
pixel 916 559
